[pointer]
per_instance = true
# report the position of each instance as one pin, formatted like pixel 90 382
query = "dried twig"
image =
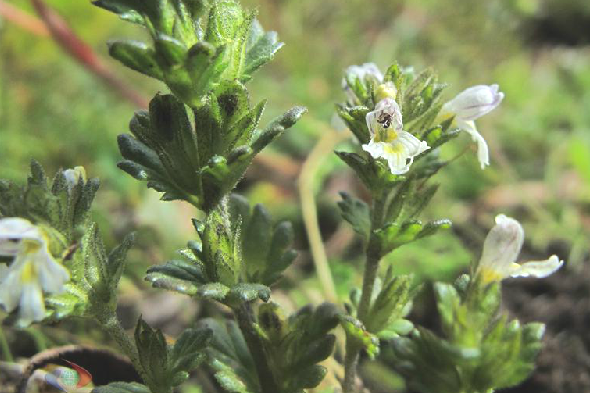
pixel 83 53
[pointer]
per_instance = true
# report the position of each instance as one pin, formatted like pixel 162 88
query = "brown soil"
pixel 562 302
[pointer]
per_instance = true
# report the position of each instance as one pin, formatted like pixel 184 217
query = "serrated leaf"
pixel 213 291
pixel 122 387
pixel 153 356
pixel 357 213
pixel 260 48
pixel 243 293
pixel 137 56
pixel 357 333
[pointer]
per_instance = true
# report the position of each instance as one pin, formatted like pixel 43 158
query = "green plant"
pixel 195 145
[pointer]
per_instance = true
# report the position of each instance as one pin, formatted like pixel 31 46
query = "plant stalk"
pixel 5 348
pixel 246 322
pixel 370 274
pixel 112 326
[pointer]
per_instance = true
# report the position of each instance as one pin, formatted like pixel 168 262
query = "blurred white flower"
pixel 500 250
pixel 32 271
pixel 74 175
pixel 368 72
pixel 389 141
pixel 469 105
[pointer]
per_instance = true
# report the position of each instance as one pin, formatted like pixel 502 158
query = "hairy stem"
pixel 112 326
pixel 4 348
pixel 351 359
pixel 370 274
pixel 245 318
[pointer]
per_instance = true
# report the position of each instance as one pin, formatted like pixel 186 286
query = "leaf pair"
pixel 168 366
pixel 198 155
pixel 237 255
pixel 165 366
pixel 295 345
pixel 403 207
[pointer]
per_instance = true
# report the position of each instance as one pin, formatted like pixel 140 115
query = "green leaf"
pixel 187 353
pixel 260 48
pixel 243 293
pixel 229 358
pixel 137 56
pixel 116 261
pixel 213 291
pixel 121 387
pixel 357 213
pixel 355 118
pixel 153 355
pixel 357 333
pixel 177 275
pixel 294 345
pixel 391 304
pixel 374 174
pixel 225 19
pixel 203 162
pixel 393 236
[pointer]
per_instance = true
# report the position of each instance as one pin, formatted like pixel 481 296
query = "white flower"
pixel 365 72
pixel 469 105
pixel 389 141
pixel 73 176
pixel 368 72
pixel 500 250
pixel 32 271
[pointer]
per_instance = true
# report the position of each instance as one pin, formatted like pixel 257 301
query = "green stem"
pixel 6 354
pixel 246 322
pixel 369 277
pixel 373 257
pixel 350 363
pixel 112 326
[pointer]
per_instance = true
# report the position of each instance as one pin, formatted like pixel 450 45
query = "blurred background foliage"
pixel 538 51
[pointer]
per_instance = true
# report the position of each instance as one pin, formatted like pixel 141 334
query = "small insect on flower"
pixel 33 269
pixel 469 105
pixel 388 139
pixel 500 250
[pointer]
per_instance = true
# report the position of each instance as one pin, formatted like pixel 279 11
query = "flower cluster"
pixel 398 148
pixel 32 271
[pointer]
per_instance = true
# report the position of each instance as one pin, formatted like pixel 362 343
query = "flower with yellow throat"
pixel 388 139
pixel 32 272
pixel 500 251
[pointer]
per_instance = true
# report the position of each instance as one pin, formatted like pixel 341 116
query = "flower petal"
pixel 501 247
pixel 483 155
pixel 413 145
pixel 375 149
pixel 32 306
pixel 365 72
pixel 52 275
pixel 388 109
pixel 474 102
pixel 12 231
pixel 539 269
